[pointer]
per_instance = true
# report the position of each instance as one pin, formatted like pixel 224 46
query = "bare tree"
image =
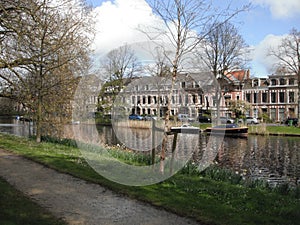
pixel 183 23
pixel 223 49
pixel 120 65
pixel 288 54
pixel 44 49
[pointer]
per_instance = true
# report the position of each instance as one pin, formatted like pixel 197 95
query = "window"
pixel 173 99
pixel 182 84
pixel 144 100
pixel 282 81
pixel 227 100
pixel 248 97
pixel 255 96
pixel 255 83
pixel 214 101
pixel 273 97
pixel 281 97
pixel 281 114
pixel 194 99
pixel 138 100
pixel 186 99
pixel 291 81
pixel 273 114
pixel 291 97
pixel 264 97
pixel 273 82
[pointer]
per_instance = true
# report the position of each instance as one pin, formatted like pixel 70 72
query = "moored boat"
pixel 231 130
pixel 186 128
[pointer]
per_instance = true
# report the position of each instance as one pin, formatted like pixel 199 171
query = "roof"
pixel 238 75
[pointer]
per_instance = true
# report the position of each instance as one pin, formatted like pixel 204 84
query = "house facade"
pixel 274 96
pixel 193 94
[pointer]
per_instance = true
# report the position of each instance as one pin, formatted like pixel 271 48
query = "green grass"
pixel 202 197
pixel 17 209
pixel 274 130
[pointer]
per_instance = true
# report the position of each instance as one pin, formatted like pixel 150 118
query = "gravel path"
pixel 77 201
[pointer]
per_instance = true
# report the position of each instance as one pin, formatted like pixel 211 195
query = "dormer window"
pixel 274 82
pixel 291 81
pixel 282 81
pixel 255 83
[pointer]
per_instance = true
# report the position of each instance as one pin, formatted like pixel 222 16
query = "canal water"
pixel 274 159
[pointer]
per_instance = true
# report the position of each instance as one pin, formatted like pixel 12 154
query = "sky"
pixel 262 27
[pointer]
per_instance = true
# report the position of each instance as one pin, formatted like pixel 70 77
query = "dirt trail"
pixel 77 201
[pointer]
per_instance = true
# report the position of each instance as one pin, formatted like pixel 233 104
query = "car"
pixel 150 117
pixel 135 117
pixel 204 119
pixel 294 121
pixel 224 120
pixel 185 118
pixel 251 120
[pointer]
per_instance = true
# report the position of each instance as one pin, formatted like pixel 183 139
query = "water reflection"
pixel 13 126
pixel 274 159
pixel 271 158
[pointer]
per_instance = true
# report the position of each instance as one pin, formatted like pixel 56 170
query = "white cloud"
pixel 117 24
pixel 281 8
pixel 260 54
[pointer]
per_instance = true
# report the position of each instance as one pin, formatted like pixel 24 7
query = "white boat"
pixel 186 128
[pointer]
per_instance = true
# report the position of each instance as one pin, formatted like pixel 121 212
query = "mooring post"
pixel 173 151
pixel 174 142
pixel 153 141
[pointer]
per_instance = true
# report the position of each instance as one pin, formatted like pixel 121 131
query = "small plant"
pixel 222 174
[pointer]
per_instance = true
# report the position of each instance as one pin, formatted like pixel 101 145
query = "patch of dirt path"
pixel 79 202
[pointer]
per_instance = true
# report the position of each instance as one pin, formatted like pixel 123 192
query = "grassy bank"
pixel 264 129
pixel 205 197
pixel 17 209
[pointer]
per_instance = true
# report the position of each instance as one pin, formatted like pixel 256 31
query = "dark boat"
pixel 231 130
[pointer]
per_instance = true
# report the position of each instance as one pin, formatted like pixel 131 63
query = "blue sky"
pixel 263 26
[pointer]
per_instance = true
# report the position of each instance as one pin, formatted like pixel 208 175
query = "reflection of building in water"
pixel 187 145
pixel 275 160
pixel 17 127
pixel 232 157
pixel 265 174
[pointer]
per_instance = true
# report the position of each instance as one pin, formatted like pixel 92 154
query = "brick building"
pixel 275 96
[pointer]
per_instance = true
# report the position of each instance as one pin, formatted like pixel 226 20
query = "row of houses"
pixel 196 93
pixel 275 96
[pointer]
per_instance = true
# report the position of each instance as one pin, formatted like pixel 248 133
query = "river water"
pixel 272 158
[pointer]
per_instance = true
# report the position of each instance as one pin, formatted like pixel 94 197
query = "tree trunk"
pixel 298 78
pixel 167 124
pixel 39 120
